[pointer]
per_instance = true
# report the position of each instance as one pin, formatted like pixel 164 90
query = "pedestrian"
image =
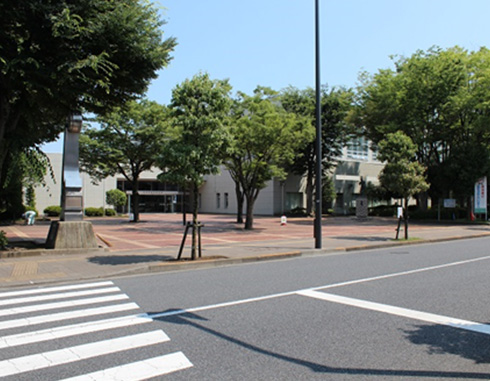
pixel 30 217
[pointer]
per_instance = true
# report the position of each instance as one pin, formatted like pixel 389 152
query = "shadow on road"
pixel 442 339
pixel 182 317
pixel 127 259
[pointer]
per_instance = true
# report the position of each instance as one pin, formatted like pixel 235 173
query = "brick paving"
pixel 153 243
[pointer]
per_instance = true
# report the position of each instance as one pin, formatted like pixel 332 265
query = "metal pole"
pixel 318 143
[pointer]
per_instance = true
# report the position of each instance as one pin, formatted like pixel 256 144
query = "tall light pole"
pixel 318 142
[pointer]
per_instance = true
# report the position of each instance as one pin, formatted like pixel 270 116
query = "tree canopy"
pixel 335 105
pixel 402 175
pixel 128 143
pixel 60 56
pixel 264 138
pixel 440 99
pixel 199 109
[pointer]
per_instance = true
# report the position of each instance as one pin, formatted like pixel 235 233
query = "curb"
pixel 207 263
pixel 41 252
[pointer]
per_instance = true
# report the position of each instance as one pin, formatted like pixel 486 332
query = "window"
pixel 358 148
pixel 218 200
pixel 226 200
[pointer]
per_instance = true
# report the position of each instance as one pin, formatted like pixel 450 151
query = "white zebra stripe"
pixel 65 304
pixel 63 295
pixel 33 320
pixel 141 370
pixel 45 290
pixel 80 352
pixel 71 330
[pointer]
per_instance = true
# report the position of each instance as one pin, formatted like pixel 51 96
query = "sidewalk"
pixel 153 244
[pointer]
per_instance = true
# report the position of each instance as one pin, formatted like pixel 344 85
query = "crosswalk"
pixel 89 331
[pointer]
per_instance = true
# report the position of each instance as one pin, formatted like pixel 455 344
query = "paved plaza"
pixel 153 244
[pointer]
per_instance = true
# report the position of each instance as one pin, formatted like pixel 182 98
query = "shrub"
pixel 116 197
pixel 27 208
pixel 53 211
pixel 446 214
pixel 94 212
pixel 3 240
pixel 297 212
pixel 110 212
pixel 383 211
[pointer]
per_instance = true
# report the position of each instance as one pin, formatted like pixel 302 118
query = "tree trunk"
pixel 249 221
pixel 405 218
pixel 136 201
pixel 195 209
pixel 309 191
pixel 239 202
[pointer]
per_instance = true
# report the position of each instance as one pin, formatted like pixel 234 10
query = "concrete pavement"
pixel 153 244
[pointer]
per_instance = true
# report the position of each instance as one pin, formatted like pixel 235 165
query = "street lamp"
pixel 71 193
pixel 70 232
pixel 75 123
pixel 318 141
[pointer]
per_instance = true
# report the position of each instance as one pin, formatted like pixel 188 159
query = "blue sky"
pixel 271 42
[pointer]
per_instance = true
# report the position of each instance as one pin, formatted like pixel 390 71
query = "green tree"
pixel 24 171
pixel 335 106
pixel 402 174
pixel 328 192
pixel 440 99
pixel 128 142
pixel 264 138
pixel 116 198
pixel 199 109
pixel 57 57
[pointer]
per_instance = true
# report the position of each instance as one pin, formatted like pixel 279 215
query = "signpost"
pixel 481 196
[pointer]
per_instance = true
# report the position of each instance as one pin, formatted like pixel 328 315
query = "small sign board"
pixel 399 212
pixel 450 203
pixel 481 196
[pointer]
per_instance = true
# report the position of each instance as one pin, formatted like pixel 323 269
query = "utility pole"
pixel 318 142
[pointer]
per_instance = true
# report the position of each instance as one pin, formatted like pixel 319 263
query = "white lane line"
pixel 327 286
pixel 65 304
pixel 401 273
pixel 71 330
pixel 398 311
pixel 32 291
pixel 80 352
pixel 41 319
pixel 219 305
pixel 141 370
pixel 63 295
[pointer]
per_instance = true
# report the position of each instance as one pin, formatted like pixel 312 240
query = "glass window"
pixel 226 200
pixel 218 200
pixel 358 149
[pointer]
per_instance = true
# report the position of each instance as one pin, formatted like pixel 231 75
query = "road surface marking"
pixel 80 352
pixel 54 289
pixel 327 286
pixel 64 295
pixel 71 330
pixel 401 273
pixel 33 320
pixel 398 311
pixel 141 370
pixel 69 303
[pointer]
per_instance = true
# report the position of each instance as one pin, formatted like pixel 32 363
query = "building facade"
pixel 357 164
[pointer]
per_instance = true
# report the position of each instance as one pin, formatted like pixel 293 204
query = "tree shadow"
pixel 183 317
pixel 441 339
pixel 115 260
pixel 366 239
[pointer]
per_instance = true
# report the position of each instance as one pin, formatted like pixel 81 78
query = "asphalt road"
pixel 418 312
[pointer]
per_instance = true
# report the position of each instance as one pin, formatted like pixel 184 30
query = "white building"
pixel 217 195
